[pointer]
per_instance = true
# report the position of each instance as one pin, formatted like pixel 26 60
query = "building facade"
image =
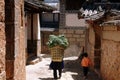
pixel 12 57
pixel 33 23
pixel 100 39
pixel 103 39
pixel 72 27
pixel 103 46
pixel 2 41
pixel 14 37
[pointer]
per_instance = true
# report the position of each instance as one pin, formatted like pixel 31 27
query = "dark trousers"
pixel 85 71
pixel 55 73
pixel 57 66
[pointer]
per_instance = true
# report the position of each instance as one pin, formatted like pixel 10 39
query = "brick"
pixel 76 35
pixel 62 30
pixel 82 43
pixel 72 39
pixel 81 39
pixel 83 35
pixel 69 35
pixel 79 31
pixel 70 31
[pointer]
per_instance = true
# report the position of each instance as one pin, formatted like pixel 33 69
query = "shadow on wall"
pixel 72 50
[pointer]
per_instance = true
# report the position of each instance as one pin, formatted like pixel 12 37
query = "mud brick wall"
pixel 110 66
pixel 20 60
pixel 15 40
pixel 2 40
pixel 110 57
pixel 91 43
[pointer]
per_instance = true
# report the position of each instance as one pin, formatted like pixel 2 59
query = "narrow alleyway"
pixel 72 70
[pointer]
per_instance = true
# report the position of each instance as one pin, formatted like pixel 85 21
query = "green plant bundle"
pixel 57 40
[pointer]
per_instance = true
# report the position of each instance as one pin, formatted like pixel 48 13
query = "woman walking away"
pixel 57 45
pixel 57 66
pixel 85 63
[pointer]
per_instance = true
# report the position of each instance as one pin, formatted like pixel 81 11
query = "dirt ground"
pixel 72 70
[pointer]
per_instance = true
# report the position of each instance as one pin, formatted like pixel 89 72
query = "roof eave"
pixel 37 7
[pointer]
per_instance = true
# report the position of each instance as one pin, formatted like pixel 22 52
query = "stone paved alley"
pixel 71 71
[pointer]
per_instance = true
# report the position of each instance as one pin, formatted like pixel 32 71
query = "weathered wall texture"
pixel 19 69
pixel 76 39
pixel 2 41
pixel 72 20
pixel 110 57
pixel 15 40
pixel 73 29
pixel 45 38
pixel 91 43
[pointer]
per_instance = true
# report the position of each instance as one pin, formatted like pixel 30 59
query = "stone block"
pixel 62 31
pixel 76 36
pixel 79 32
pixel 69 35
pixel 72 39
pixel 83 35
pixel 81 39
pixel 70 31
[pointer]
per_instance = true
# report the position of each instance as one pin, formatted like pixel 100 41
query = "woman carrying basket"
pixel 57 45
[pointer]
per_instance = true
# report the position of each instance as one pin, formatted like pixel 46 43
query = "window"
pixel 74 4
pixel 50 20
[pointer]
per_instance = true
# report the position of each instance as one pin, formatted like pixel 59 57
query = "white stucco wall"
pixel 36 27
pixel 72 20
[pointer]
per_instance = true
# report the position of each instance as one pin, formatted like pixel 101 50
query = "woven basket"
pixel 57 53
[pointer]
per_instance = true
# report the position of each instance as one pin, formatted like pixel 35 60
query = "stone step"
pixel 34 61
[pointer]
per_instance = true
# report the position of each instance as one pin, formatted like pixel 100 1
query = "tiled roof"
pixel 94 11
pixel 36 5
pixel 111 22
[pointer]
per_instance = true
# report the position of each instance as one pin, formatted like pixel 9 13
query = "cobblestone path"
pixel 71 71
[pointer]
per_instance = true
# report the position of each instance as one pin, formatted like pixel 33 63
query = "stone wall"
pixel 2 41
pixel 45 38
pixel 76 39
pixel 110 57
pixel 75 33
